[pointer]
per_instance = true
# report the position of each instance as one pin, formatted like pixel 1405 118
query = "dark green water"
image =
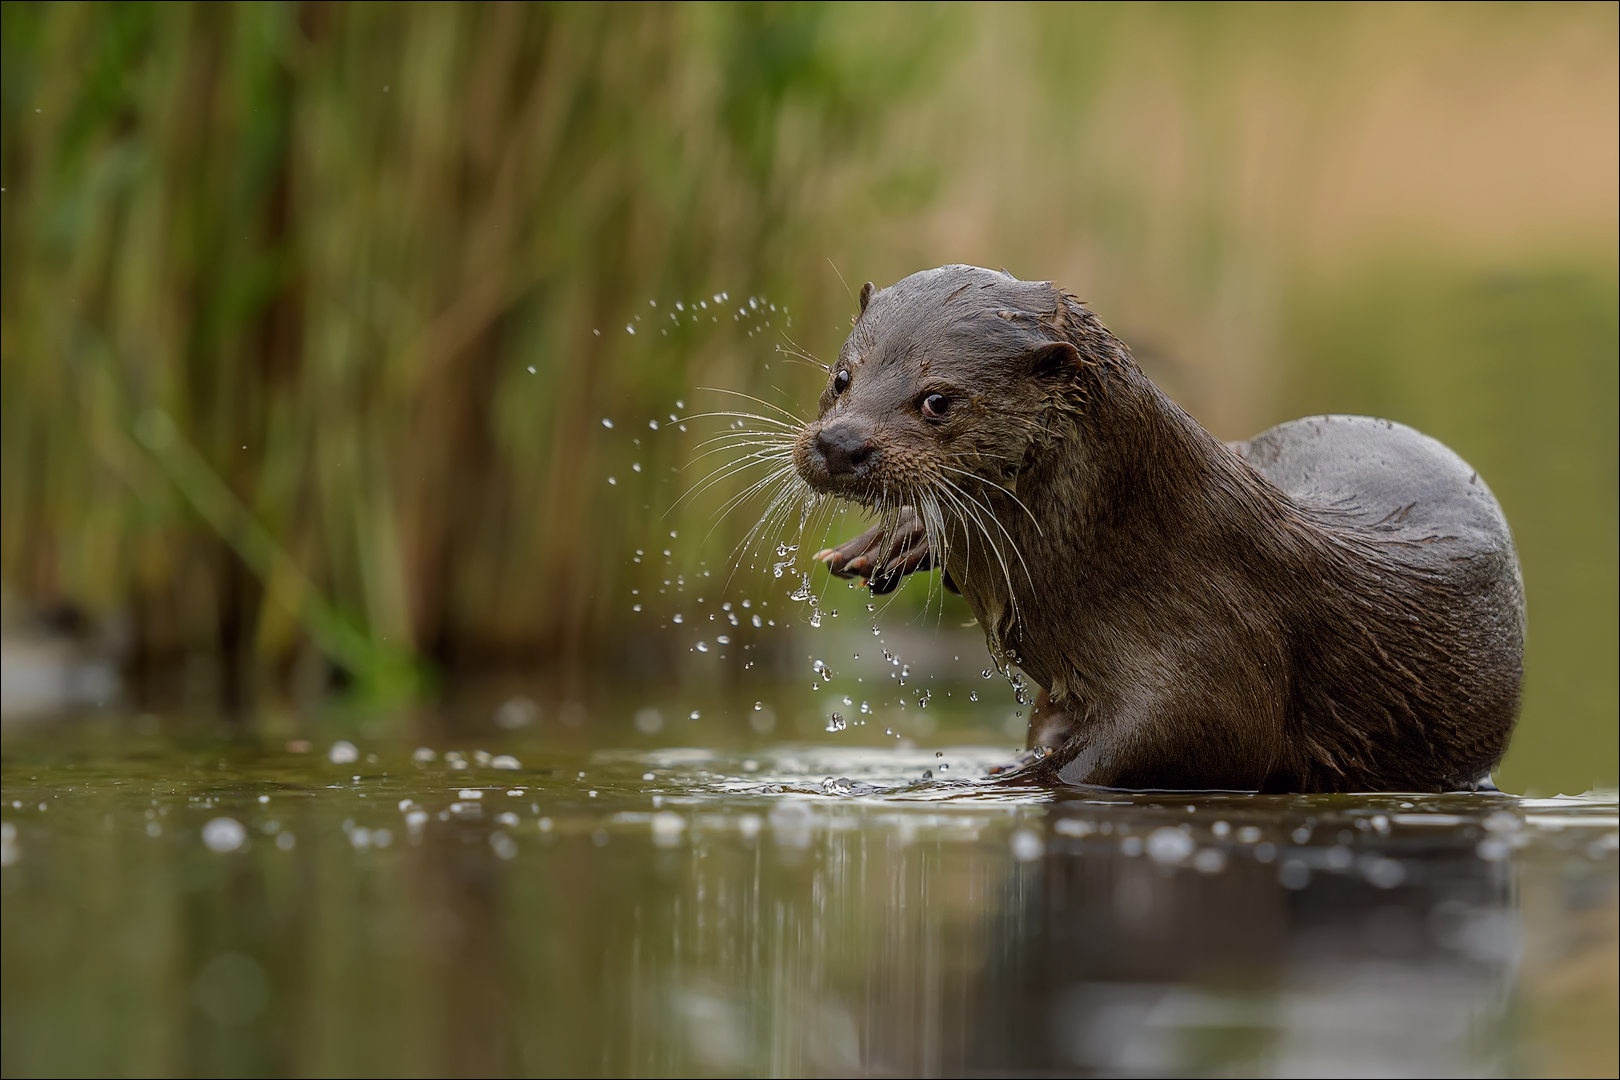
pixel 185 906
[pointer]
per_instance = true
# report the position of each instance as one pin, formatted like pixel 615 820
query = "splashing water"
pixel 803 592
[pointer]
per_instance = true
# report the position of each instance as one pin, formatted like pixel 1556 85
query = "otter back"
pixel 1386 475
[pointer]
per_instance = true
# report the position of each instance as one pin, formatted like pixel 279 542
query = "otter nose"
pixel 844 447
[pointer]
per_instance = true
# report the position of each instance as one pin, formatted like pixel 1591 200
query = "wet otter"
pixel 1334 605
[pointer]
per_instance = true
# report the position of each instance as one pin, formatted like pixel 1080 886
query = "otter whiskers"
pixel 950 504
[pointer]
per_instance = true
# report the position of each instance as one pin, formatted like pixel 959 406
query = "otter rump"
pixel 1334 605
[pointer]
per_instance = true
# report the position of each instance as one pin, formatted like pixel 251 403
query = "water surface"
pixel 187 905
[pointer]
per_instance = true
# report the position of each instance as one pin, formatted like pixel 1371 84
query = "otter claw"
pixel 842 564
pixel 882 559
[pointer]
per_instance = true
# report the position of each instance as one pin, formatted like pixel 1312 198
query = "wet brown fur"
pixel 1191 625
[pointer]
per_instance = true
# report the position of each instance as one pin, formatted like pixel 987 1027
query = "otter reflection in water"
pixel 1334 605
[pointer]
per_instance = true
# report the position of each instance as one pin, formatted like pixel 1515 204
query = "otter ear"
pixel 1056 360
pixel 866 295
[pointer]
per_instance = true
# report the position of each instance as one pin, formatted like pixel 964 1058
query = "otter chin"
pixel 1333 605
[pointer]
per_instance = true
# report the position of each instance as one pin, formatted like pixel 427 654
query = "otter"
pixel 1334 605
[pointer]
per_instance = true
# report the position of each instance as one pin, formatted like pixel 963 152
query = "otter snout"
pixel 845 447
pixel 831 456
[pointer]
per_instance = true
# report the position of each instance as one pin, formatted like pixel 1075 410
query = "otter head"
pixel 944 387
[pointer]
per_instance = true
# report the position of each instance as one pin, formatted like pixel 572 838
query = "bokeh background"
pixel 311 313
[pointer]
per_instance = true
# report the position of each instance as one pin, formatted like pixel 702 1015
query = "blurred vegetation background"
pixel 311 312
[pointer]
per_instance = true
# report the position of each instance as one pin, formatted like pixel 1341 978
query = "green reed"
pixel 372 266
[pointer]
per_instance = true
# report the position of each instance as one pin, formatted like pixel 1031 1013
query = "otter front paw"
pixel 1050 723
pixel 882 557
pixel 1021 760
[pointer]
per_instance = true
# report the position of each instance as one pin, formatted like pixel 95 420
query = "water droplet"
pixel 973 695
pixel 1168 846
pixel 693 715
pixel 677 619
pixel 667 827
pixel 606 422
pixel 653 424
pixel 701 646
pixel 815 620
pixel 985 673
pixel 1027 845
pixel 1387 873
pixel 723 639
pixel 343 752
pixel 224 835
pixel 758 705
pixel 865 708
pixel 631 330
pixel 755 620
pixel 635 607
pixel 531 369
pixel 836 722
pixel 635 466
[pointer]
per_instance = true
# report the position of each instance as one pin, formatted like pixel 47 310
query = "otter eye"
pixel 840 382
pixel 935 405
